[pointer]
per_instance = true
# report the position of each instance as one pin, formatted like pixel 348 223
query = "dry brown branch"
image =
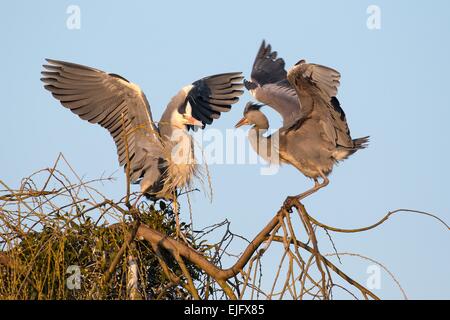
pixel 377 263
pixel 378 223
pixel 37 222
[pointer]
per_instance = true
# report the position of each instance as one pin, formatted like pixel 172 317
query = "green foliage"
pixel 39 260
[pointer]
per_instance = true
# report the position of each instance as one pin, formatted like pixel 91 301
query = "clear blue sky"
pixel 395 88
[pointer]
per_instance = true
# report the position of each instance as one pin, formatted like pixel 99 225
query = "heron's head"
pixel 184 117
pixel 253 116
pixel 189 120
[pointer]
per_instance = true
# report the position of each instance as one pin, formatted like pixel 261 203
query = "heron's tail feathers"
pixel 343 153
pixel 361 143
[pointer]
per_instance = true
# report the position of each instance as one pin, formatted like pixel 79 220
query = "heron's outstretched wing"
pixel 267 68
pixel 325 79
pixel 211 96
pixel 117 105
pixel 317 87
pixel 269 85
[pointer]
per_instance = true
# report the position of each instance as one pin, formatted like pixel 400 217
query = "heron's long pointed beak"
pixel 241 123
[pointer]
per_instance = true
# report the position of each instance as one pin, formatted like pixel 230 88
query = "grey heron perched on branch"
pixel 160 158
pixel 314 135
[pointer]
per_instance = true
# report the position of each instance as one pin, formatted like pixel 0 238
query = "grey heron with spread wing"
pixel 314 135
pixel 160 158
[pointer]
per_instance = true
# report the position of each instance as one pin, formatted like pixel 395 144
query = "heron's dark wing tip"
pixel 210 96
pixel 267 68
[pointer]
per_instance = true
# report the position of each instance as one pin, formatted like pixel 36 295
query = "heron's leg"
pixel 309 192
pixel 316 187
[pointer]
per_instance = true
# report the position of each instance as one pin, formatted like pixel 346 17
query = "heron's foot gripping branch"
pixel 289 203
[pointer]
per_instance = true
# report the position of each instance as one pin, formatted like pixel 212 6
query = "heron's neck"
pixel 171 120
pixel 181 162
pixel 171 130
pixel 181 166
pixel 178 143
pixel 261 144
